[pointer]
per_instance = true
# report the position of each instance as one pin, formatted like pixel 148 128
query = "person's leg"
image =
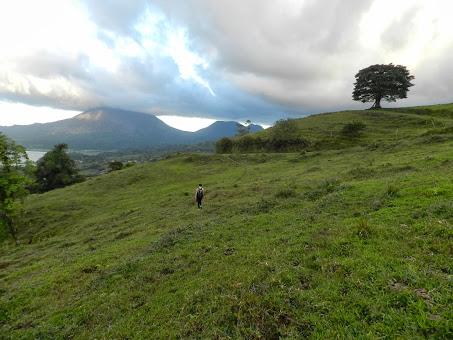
pixel 199 203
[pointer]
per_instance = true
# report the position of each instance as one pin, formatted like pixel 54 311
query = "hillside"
pixel 350 242
pixel 113 129
pixel 323 131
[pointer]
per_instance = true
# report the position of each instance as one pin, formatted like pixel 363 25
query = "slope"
pixel 323 131
pixel 350 243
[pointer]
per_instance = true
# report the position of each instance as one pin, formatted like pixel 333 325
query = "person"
pixel 199 194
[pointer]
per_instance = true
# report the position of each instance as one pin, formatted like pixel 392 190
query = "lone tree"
pixel 377 82
pixel 56 169
pixel 13 184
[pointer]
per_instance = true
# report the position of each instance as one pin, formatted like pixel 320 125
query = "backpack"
pixel 200 193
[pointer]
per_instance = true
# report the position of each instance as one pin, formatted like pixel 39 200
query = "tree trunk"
pixel 377 104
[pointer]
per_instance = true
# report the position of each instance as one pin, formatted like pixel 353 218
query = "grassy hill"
pixel 323 131
pixel 350 239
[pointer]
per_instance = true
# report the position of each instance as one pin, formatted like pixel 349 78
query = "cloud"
pixel 223 59
pixel 304 54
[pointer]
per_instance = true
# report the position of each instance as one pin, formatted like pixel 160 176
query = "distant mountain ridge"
pixel 224 129
pixel 106 128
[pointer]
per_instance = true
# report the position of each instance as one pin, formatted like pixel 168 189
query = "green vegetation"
pixel 98 163
pixel 349 238
pixel 118 165
pixel 224 145
pixel 284 136
pixel 441 110
pixel 353 129
pixel 13 185
pixel 56 170
pixel 383 127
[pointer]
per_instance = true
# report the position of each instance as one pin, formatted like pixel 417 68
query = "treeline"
pixel 283 137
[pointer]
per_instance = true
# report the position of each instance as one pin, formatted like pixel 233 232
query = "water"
pixel 35 155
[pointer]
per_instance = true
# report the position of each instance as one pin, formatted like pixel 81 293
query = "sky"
pixel 195 61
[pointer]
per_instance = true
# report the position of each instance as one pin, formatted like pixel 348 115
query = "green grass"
pixel 349 242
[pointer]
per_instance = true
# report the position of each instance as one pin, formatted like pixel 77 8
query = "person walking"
pixel 199 194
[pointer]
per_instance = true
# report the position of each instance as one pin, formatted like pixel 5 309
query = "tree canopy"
pixel 56 169
pixel 13 183
pixel 382 82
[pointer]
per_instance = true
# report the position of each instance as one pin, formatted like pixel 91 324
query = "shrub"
pixel 392 191
pixel 286 193
pixel 115 166
pixel 224 145
pixel 364 229
pixel 353 129
pixel 282 144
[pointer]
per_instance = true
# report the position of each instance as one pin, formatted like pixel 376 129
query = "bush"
pixel 224 145
pixel 353 129
pixel 115 166
pixel 288 144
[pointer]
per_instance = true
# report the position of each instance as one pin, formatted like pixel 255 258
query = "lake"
pixel 34 155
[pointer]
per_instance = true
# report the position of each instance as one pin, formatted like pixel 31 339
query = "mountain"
pixel 113 129
pixel 221 129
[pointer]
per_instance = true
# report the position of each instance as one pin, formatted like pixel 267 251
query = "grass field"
pixel 353 240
